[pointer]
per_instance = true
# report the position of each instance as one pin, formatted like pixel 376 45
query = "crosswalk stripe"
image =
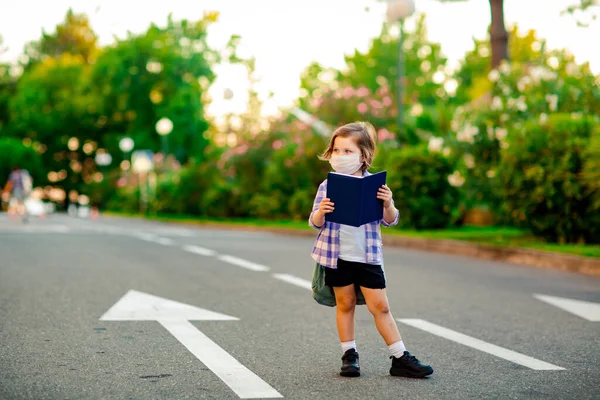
pixel 486 347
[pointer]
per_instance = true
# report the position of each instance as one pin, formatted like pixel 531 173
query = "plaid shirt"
pixel 327 246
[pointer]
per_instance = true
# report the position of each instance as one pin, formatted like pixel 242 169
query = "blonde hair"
pixel 363 134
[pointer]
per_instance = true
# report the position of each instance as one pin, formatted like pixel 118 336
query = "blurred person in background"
pixel 19 185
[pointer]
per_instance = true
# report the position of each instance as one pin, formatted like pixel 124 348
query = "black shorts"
pixel 349 272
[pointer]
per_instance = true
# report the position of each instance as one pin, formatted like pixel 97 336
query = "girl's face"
pixel 346 146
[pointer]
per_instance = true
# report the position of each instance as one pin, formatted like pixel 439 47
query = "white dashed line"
pixel 303 283
pixel 243 263
pixel 480 345
pixel 199 250
pixel 146 236
pixel 164 241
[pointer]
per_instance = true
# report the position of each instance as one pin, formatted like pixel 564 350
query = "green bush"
pixel 267 206
pixel 126 199
pixel 101 193
pixel 591 179
pixel 300 204
pixel 194 181
pixel 168 198
pixel 217 200
pixel 419 180
pixel 542 185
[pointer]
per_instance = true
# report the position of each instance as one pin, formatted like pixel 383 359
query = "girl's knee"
pixel 346 303
pixel 380 307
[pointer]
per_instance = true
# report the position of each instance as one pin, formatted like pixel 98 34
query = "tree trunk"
pixel 498 34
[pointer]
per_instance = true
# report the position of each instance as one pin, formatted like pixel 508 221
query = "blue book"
pixel 354 198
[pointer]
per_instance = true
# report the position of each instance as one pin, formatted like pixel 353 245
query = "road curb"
pixel 511 255
pixel 532 258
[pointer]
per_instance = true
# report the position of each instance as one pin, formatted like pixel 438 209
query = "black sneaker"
pixel 409 366
pixel 350 365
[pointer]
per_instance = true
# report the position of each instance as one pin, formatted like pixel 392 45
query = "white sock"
pixel 348 345
pixel 397 349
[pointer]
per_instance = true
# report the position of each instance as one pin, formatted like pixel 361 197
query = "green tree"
pixel 498 34
pixel 367 89
pixel 14 152
pixel 52 110
pixel 164 72
pixel 74 36
pixel 424 64
pixel 499 37
pixel 315 80
pixel 7 90
pixel 581 6
pixel 541 83
pixel 472 75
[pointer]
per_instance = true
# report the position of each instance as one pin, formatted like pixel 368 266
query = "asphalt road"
pixel 477 323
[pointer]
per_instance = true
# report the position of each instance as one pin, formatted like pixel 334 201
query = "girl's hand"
pixel 326 206
pixel 384 193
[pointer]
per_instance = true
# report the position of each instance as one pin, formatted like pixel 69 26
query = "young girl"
pixel 354 256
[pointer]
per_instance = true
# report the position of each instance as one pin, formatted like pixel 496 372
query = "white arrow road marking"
pixel 175 316
pixel 489 348
pixel 199 250
pixel 240 379
pixel 243 263
pixel 303 283
pixel 584 309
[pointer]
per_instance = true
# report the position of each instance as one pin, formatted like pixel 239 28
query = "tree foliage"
pixel 586 7
pixel 74 36
pixel 50 107
pixel 75 100
pixel 15 153
pixel 163 72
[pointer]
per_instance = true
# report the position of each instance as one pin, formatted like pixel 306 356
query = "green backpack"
pixel 323 294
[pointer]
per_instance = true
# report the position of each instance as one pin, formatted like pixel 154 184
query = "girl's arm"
pixel 317 218
pixel 390 215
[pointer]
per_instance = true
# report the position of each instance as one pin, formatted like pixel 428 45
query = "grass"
pixel 492 236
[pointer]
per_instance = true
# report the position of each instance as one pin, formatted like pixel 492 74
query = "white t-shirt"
pixel 353 243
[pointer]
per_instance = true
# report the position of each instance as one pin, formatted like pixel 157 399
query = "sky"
pixel 285 36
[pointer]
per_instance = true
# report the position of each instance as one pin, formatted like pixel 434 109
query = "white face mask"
pixel 347 164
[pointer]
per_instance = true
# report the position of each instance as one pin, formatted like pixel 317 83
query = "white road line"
pixel 177 233
pixel 164 241
pixel 584 309
pixel 243 263
pixel 37 229
pixel 199 250
pixel 155 239
pixel 60 228
pixel 145 236
pixel 303 283
pixel 489 348
pixel 240 379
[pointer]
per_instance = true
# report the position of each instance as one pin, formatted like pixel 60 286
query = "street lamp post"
pixel 164 126
pixel 399 10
